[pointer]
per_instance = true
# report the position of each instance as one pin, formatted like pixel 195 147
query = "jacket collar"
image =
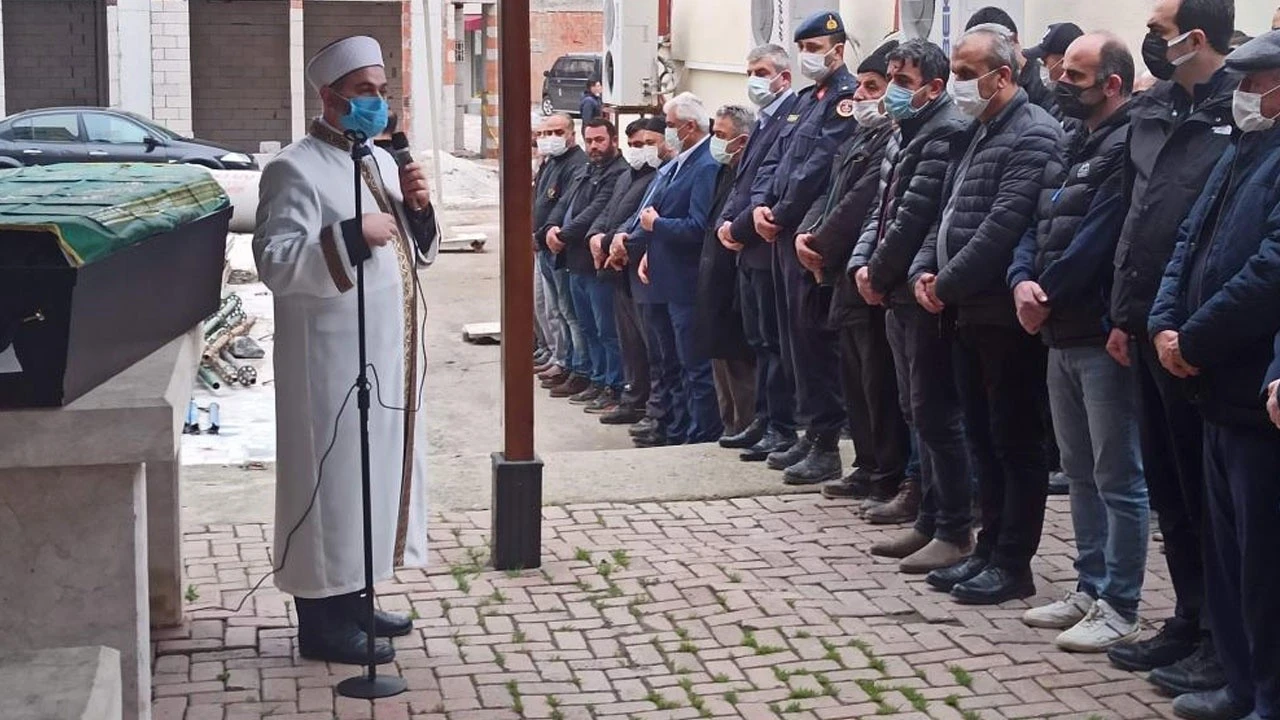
pixel 995 124
pixel 913 124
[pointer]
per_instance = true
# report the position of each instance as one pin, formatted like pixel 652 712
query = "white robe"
pixel 305 193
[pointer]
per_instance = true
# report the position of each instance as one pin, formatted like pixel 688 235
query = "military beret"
pixel 878 61
pixel 1260 53
pixel 820 24
pixel 1056 41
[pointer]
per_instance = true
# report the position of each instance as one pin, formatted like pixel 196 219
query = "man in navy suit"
pixel 670 232
pixel 769 87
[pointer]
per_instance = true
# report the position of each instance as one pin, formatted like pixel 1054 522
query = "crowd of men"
pixel 986 268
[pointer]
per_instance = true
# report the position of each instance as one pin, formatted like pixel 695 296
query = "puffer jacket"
pixel 1221 289
pixel 1174 142
pixel 897 225
pixel 993 206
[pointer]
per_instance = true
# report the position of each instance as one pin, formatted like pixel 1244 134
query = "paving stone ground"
pixel 755 608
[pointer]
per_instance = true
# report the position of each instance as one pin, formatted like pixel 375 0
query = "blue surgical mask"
pixel 366 114
pixel 897 102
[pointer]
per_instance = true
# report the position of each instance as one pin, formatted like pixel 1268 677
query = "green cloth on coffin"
pixel 98 209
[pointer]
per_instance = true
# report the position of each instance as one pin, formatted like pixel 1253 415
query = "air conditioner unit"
pixel 942 21
pixel 630 46
pixel 775 21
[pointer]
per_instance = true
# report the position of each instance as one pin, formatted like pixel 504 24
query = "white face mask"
pixel 649 154
pixel 720 150
pixel 552 146
pixel 673 140
pixel 1046 75
pixel 968 95
pixel 633 156
pixel 1246 107
pixel 760 90
pixel 814 65
pixel 868 113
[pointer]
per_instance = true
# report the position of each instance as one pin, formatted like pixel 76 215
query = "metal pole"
pixel 461 64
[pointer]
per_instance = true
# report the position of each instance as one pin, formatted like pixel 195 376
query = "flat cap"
pixel 878 61
pixel 820 24
pixel 1260 53
pixel 1055 41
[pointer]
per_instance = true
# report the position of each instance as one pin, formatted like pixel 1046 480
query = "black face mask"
pixel 1155 53
pixel 1070 100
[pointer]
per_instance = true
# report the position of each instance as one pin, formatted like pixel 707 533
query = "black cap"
pixel 878 61
pixel 1055 41
pixel 1260 53
pixel 820 24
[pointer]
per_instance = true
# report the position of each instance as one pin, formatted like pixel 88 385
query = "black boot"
pixel 854 486
pixel 1198 672
pixel 772 442
pixel 327 633
pixel 819 466
pixel 993 586
pixel 1175 641
pixel 746 438
pixel 385 624
pixel 783 459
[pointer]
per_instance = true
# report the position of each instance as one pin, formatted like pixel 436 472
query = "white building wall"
pixel 131 67
pixel 171 64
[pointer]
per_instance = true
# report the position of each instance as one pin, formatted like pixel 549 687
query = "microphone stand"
pixel 370 685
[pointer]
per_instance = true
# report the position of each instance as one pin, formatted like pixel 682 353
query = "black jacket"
pixel 589 192
pixel 918 156
pixel 1068 249
pixel 1221 290
pixel 549 186
pixel 757 254
pixel 628 191
pixel 1173 146
pixel 717 319
pixel 993 204
pixel 837 216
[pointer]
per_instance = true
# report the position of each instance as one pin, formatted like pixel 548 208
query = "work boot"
pixel 994 586
pixel 818 467
pixel 643 426
pixel 1198 672
pixel 1219 704
pixel 783 459
pixel 573 385
pixel 748 437
pixel 902 545
pixel 901 509
pixel 586 397
pixel 772 442
pixel 936 555
pixel 622 415
pixel 854 486
pixel 326 633
pixel 1176 640
pixel 605 402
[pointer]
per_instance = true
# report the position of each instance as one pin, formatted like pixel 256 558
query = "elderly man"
pixel 1177 130
pixel 1212 326
pixel 306 247
pixel 769 88
pixel 1060 279
pixel 991 194
pixel 909 200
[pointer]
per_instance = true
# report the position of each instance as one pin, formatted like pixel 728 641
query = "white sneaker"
pixel 1062 614
pixel 1100 629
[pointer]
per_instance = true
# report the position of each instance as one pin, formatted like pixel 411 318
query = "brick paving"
pixel 755 608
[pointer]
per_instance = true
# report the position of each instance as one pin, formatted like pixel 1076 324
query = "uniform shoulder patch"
pixel 844 108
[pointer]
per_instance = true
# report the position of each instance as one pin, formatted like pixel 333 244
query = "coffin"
pixel 101 265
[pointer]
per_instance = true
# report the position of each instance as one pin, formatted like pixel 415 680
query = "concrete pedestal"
pixel 85 490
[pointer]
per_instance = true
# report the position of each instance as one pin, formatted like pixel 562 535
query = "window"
pixel 583 68
pixel 102 128
pixel 52 127
pixel 562 67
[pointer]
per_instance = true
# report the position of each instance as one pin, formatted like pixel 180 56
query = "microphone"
pixel 400 149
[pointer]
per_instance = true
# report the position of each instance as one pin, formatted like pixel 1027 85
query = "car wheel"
pixel 548 108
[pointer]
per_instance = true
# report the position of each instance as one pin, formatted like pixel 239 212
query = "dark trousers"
pixel 1242 477
pixel 736 392
pixel 881 440
pixel 931 405
pixel 699 388
pixel 999 371
pixel 667 403
pixel 810 347
pixel 635 353
pixel 1171 432
pixel 775 389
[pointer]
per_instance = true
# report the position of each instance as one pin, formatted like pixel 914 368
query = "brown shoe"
pixel 902 545
pixel 539 369
pixel 553 371
pixel 553 378
pixel 936 555
pixel 573 385
pixel 901 509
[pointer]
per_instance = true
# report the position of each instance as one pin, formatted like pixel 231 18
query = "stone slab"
pixel 77 683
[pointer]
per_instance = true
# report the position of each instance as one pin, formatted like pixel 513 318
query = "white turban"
pixel 342 57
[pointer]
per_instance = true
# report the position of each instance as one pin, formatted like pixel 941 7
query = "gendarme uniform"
pixel 306 246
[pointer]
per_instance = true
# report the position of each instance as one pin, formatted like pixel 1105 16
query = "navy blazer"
pixel 757 254
pixel 685 211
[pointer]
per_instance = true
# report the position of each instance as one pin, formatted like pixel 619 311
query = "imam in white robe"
pixel 306 192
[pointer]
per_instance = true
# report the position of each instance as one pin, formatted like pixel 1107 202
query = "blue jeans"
pixel 580 357
pixel 699 383
pixel 593 303
pixel 1095 418
pixel 558 336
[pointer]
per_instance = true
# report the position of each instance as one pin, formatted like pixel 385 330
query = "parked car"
pixel 94 134
pixel 564 83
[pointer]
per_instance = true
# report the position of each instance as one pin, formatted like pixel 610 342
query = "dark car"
pixel 92 134
pixel 564 83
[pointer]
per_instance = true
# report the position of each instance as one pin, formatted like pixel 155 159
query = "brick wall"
pixel 560 33
pixel 240 72
pixel 171 64
pixel 325 22
pixel 53 51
